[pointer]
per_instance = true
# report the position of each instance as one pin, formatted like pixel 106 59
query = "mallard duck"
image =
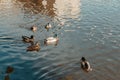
pixel 48 26
pixel 34 28
pixel 34 47
pixel 51 40
pixel 85 65
pixel 28 39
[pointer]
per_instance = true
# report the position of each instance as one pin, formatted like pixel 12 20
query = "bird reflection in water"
pixel 9 70
pixel 39 6
pixel 7 77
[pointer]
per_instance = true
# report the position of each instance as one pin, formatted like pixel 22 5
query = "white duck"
pixel 51 40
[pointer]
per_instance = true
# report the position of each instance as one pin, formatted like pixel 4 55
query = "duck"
pixel 28 39
pixel 34 47
pixel 51 40
pixel 85 65
pixel 48 26
pixel 34 28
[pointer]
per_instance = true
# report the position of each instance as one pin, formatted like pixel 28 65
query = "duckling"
pixel 51 40
pixel 28 39
pixel 34 28
pixel 48 26
pixel 34 47
pixel 85 65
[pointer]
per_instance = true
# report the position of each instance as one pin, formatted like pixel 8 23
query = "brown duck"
pixel 34 47
pixel 28 39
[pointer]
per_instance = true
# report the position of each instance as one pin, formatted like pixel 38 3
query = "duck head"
pixel 55 36
pixel 31 36
pixel 83 59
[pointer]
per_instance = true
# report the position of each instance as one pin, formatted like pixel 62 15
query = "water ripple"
pixel 85 28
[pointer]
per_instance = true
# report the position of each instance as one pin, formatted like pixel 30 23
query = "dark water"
pixel 91 28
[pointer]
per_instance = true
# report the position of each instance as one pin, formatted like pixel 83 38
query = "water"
pixel 89 28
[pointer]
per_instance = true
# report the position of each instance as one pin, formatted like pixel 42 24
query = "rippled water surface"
pixel 89 28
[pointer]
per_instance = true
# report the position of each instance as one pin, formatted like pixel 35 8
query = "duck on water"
pixel 33 28
pixel 85 65
pixel 51 40
pixel 34 47
pixel 28 39
pixel 48 26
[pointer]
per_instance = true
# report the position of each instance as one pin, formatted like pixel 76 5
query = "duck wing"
pixel 33 48
pixel 86 65
pixel 30 48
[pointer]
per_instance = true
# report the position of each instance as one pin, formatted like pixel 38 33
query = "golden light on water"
pixel 9 10
pixel 54 8
pixel 69 8
pixel 6 3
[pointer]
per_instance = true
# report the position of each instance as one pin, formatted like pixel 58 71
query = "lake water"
pixel 89 28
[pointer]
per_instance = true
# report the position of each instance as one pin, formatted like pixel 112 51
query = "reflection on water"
pixel 53 8
pixel 67 8
pixel 89 28
pixel 39 6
